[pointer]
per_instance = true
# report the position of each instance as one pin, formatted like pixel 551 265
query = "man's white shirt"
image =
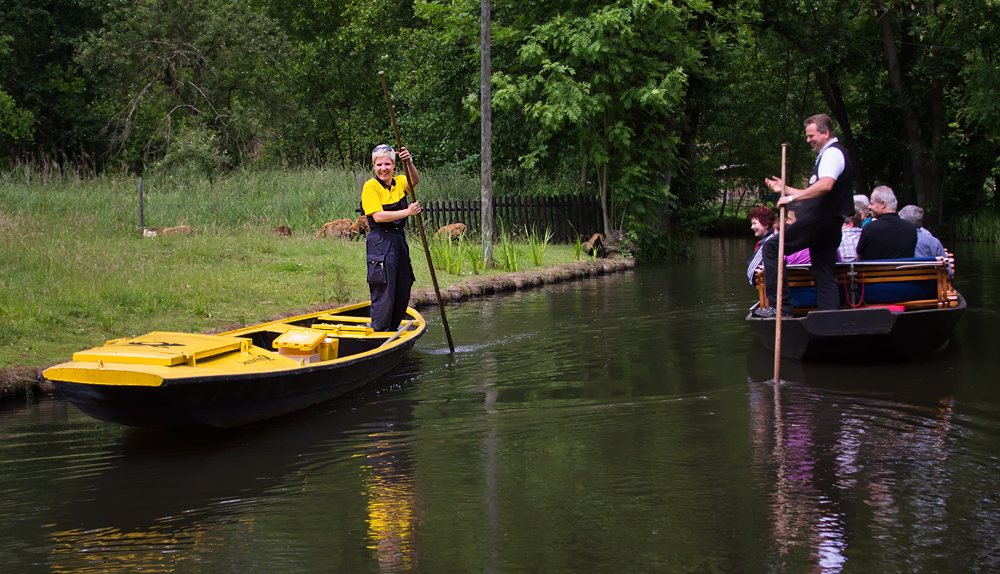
pixel 831 161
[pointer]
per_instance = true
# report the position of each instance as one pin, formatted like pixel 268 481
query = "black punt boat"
pixel 900 308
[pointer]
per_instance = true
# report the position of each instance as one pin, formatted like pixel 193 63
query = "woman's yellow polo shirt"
pixel 374 195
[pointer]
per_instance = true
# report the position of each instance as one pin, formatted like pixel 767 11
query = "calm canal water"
pixel 619 424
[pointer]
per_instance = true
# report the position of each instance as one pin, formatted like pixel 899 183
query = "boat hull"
pixel 228 401
pixel 857 333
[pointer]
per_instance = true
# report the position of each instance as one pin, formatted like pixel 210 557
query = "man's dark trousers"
pixel 822 238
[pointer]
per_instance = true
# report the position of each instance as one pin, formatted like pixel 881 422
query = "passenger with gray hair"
pixel 861 204
pixel 927 244
pixel 888 236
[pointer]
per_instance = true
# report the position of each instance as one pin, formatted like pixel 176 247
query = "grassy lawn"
pixel 75 272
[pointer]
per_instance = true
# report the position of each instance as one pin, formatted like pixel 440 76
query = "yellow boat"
pixel 187 380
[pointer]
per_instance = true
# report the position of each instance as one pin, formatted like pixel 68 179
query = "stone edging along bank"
pixel 495 284
pixel 19 382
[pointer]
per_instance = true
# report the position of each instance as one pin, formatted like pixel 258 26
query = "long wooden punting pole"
pixel 420 221
pixel 781 267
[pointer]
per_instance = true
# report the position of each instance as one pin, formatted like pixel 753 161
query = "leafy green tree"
pixel 193 151
pixel 902 80
pixel 834 43
pixel 340 47
pixel 443 58
pixel 44 100
pixel 609 79
pixel 931 52
pixel 214 64
pixel 15 122
pixel 764 89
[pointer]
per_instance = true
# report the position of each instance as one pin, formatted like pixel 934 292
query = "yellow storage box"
pixel 306 345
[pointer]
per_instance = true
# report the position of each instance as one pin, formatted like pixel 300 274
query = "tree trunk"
pixel 830 88
pixel 336 134
pixel 793 164
pixel 604 200
pixel 935 171
pixel 923 175
pixel 722 209
pixel 603 181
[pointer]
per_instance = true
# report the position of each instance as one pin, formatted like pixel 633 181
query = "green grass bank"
pixel 76 271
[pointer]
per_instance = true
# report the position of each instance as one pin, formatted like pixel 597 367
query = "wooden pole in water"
pixel 420 221
pixel 781 267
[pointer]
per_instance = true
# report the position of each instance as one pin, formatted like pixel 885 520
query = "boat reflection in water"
pixel 176 501
pixel 851 456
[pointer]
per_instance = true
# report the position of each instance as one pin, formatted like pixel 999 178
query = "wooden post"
pixel 486 134
pixel 142 225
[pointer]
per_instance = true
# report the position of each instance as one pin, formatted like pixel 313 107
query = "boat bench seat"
pixel 915 283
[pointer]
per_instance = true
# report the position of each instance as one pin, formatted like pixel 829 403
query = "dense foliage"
pixel 651 105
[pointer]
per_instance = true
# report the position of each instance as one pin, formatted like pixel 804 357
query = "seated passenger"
pixel 888 236
pixel 927 244
pixel 850 233
pixel 762 225
pixel 861 204
pixel 801 256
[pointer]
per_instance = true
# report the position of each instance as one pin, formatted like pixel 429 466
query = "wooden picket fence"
pixel 565 217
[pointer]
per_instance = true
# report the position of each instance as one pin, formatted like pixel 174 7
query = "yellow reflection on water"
pixel 394 509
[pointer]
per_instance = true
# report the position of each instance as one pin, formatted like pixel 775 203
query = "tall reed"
pixel 447 254
pixel 506 254
pixel 981 227
pixel 537 244
pixel 473 254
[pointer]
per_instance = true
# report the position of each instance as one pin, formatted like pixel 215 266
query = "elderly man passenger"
pixel 888 236
pixel 927 244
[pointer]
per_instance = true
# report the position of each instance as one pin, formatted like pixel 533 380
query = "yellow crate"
pixel 329 349
pixel 299 341
pixel 307 345
pixel 302 358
